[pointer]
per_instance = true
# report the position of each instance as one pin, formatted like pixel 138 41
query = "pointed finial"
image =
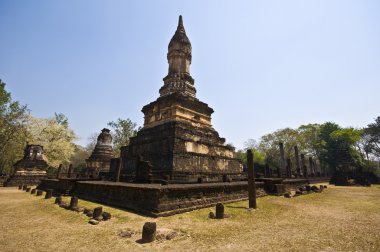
pixel 180 27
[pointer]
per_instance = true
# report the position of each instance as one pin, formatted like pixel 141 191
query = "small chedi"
pixel 178 141
pixel 99 161
pixel 30 169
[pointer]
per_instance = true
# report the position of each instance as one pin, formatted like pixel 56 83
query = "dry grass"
pixel 340 219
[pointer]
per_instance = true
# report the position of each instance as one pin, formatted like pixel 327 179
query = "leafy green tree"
pixel 123 130
pixel 13 133
pixel 372 132
pixel 56 137
pixel 258 156
pixel 78 159
pixel 269 145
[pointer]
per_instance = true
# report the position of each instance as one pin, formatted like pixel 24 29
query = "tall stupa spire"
pixel 180 27
pixel 179 79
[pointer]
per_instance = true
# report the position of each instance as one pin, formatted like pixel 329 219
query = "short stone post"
pixel 251 181
pixel 219 211
pixel 58 200
pixel 39 193
pixel 304 167
pixel 308 188
pixel 73 202
pixel 33 191
pixel 149 232
pixel 70 171
pixel 298 168
pixel 282 159
pixel 28 189
pixel 118 169
pixel 321 187
pixel 49 193
pixel 59 171
pixel 97 212
pixel 288 168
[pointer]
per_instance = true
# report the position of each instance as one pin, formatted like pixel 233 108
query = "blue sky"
pixel 261 65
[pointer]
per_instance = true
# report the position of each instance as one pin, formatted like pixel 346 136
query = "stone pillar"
pixel 28 189
pixel 20 187
pixel 311 166
pixel 118 169
pixel 59 171
pixel 298 168
pixel 33 191
pixel 49 193
pixel 97 212
pixel 39 192
pixel 58 200
pixel 288 168
pixel 282 159
pixel 24 187
pixel 69 173
pixel 304 167
pixel 149 232
pixel 73 202
pixel 219 211
pixel 317 168
pixel 251 181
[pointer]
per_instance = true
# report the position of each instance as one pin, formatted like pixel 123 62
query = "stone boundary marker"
pixel 149 232
pixel 49 193
pixel 73 202
pixel 58 200
pixel 97 213
pixel 219 211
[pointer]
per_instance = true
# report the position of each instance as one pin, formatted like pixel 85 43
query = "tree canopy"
pixel 123 130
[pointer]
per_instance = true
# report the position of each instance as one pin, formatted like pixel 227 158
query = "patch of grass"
pixel 340 219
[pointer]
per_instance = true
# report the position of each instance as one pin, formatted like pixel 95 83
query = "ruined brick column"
pixel 251 181
pixel 298 169
pixel 311 166
pixel 304 167
pixel 59 171
pixel 282 159
pixel 118 169
pixel 70 171
pixel 288 168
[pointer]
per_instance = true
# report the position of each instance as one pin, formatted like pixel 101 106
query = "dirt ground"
pixel 340 219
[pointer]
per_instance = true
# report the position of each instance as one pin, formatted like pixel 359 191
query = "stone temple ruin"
pixel 178 139
pixel 98 163
pixel 177 162
pixel 30 169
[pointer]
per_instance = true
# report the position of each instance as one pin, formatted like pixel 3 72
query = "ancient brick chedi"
pixel 99 161
pixel 178 140
pixel 30 169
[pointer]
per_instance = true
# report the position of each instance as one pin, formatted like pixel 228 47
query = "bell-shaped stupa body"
pixel 99 161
